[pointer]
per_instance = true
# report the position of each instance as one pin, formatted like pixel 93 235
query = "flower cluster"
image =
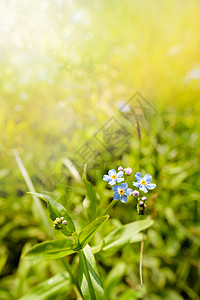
pixel 59 222
pixel 122 191
pixel 141 205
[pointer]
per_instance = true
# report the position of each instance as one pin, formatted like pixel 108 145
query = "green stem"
pixel 109 207
pixel 74 280
pixel 75 237
pixel 141 254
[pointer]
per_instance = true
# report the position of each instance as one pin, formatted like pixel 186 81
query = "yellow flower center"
pixel 114 176
pixel 121 192
pixel 143 182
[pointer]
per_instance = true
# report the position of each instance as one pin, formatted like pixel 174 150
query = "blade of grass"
pixel 42 214
pixel 69 165
pixel 38 205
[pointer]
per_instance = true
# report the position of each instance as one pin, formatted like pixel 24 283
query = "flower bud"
pixel 128 171
pixel 56 226
pixel 135 193
pixel 64 222
pixel 62 218
pixel 141 202
pixel 145 205
pixel 120 168
pixel 144 198
pixel 58 220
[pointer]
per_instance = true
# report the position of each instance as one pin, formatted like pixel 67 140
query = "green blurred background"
pixel 66 68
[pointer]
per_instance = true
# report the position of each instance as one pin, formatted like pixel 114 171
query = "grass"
pixel 57 90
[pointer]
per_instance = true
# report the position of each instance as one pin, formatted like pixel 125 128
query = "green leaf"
pixel 57 210
pixel 89 231
pixel 131 294
pixel 51 288
pixel 88 277
pixel 51 249
pixel 114 278
pixel 129 233
pixel 91 199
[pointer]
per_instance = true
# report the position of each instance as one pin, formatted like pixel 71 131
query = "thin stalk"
pixel 74 280
pixel 138 131
pixel 42 214
pixel 109 207
pixel 141 257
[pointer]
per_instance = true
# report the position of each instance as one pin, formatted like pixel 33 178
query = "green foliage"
pixel 89 231
pixel 60 248
pixel 114 278
pixel 52 288
pixel 57 210
pixel 51 250
pixel 55 95
pixel 88 276
pixel 129 233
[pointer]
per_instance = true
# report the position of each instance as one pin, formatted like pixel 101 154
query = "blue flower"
pixel 121 192
pixel 113 177
pixel 143 183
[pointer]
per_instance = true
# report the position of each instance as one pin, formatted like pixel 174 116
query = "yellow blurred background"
pixel 67 60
